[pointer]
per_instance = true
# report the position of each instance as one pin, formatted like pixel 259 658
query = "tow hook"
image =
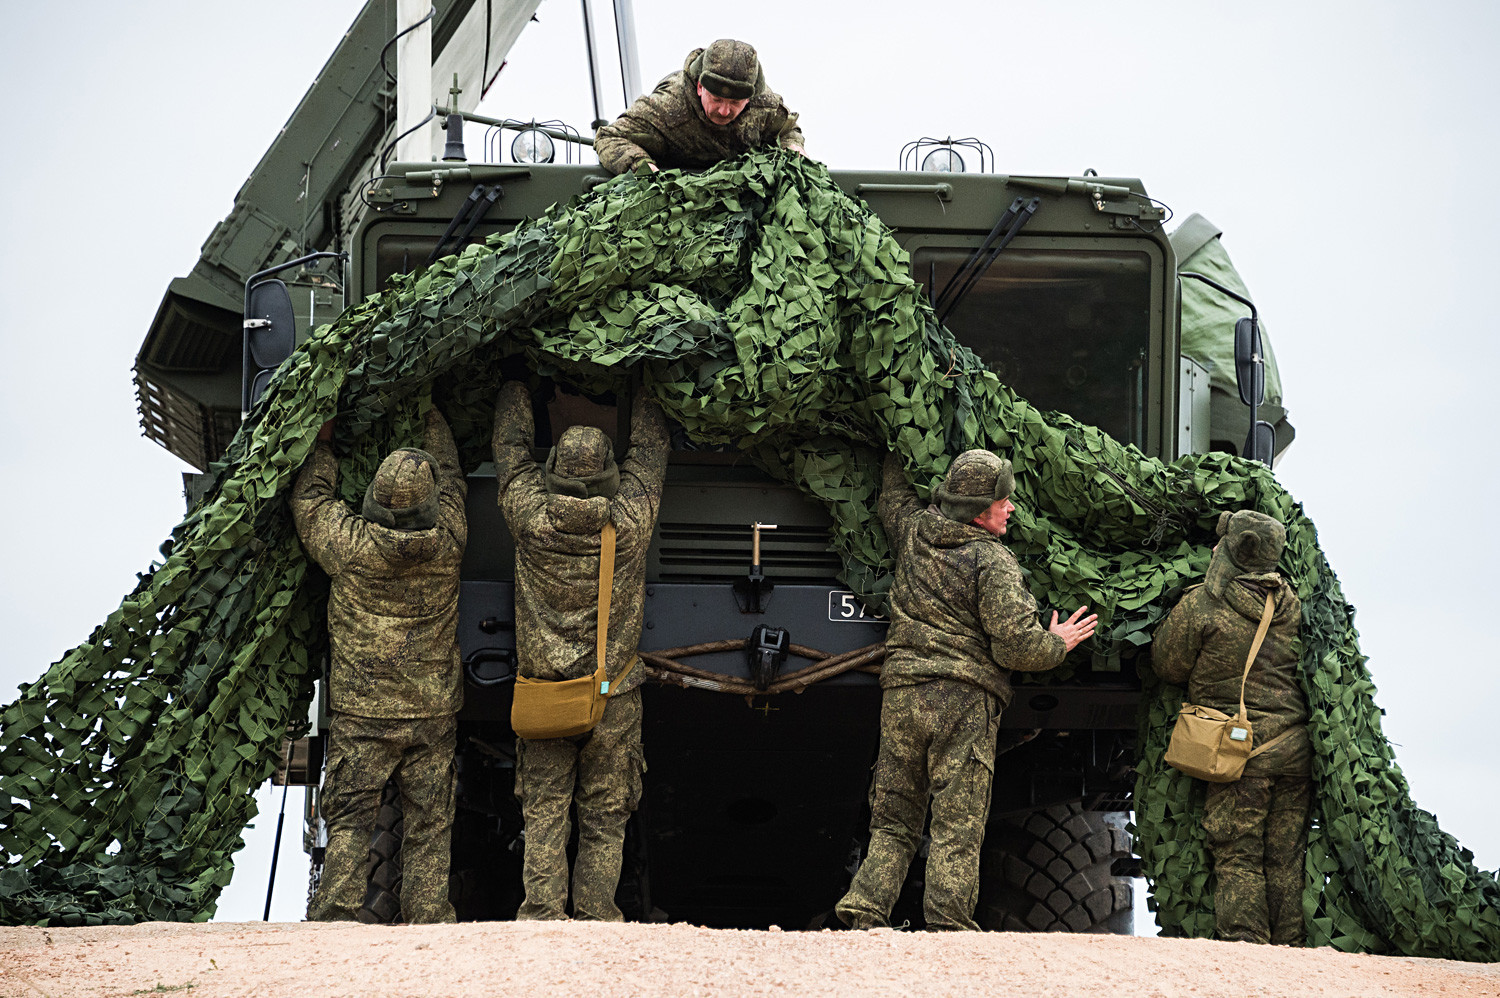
pixel 753 592
pixel 767 648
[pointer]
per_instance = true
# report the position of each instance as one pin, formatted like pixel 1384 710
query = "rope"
pixel 663 667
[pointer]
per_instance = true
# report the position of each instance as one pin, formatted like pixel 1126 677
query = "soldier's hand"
pixel 1074 631
pixel 325 432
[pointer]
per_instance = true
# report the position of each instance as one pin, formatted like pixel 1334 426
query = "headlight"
pixel 943 160
pixel 532 146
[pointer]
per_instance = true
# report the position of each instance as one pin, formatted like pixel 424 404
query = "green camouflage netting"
pixel 768 311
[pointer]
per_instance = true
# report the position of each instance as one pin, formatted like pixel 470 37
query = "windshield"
pixel 1068 330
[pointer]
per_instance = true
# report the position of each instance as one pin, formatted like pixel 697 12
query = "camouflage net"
pixel 767 311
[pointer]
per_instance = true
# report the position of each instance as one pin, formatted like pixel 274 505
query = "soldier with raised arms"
pixel 1257 825
pixel 716 108
pixel 395 683
pixel 962 620
pixel 557 513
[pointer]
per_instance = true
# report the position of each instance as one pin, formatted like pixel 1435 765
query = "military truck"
pixel 755 811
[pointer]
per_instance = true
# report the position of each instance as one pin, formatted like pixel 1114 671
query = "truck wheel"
pixel 1050 870
pixel 383 895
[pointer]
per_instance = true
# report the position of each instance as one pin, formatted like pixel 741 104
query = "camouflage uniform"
pixel 556 513
pixel 1257 826
pixel 669 128
pixel 961 620
pixel 394 681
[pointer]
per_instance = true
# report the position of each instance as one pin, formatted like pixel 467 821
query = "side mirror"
pixel 270 336
pixel 258 384
pixel 1260 442
pixel 270 327
pixel 271 343
pixel 1249 364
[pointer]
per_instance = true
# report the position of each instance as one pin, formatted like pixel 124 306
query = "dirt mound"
pixel 559 959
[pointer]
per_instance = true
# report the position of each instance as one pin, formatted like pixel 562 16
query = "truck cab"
pixel 755 806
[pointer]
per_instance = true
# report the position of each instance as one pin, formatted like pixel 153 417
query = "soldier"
pixel 1257 825
pixel 556 514
pixel 394 682
pixel 961 621
pixel 716 107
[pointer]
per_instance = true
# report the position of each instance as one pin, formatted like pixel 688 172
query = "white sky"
pixel 1344 148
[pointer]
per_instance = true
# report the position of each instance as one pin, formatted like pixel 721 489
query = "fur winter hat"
pixel 403 494
pixel 728 69
pixel 583 464
pixel 1251 544
pixel 1252 540
pixel 976 479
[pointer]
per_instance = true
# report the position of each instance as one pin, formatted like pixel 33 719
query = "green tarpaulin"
pixel 1208 320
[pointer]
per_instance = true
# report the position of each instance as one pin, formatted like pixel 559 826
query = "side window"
pixel 1067 330
pixel 567 409
pixel 401 254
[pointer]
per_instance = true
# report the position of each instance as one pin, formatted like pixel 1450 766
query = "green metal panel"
pixel 295 201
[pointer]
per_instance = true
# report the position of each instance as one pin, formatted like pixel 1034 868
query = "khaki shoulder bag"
pixel 562 708
pixel 1208 744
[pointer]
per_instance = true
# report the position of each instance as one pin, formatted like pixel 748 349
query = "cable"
pixel 392 144
pixel 1164 206
pixel 431 13
pixel 364 189
pixel 484 71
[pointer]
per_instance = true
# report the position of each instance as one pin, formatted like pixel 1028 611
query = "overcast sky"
pixel 1344 149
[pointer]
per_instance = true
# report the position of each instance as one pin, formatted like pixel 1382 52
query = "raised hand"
pixel 1074 631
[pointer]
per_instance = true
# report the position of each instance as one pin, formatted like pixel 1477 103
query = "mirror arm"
pixel 253 278
pixel 1254 317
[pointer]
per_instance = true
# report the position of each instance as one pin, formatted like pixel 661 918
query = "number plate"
pixel 845 606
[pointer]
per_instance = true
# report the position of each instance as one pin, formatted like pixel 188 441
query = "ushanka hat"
pixel 1251 544
pixel 403 494
pixel 1252 540
pixel 730 69
pixel 976 479
pixel 582 464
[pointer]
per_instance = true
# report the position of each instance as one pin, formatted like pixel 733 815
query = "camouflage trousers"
pixel 937 742
pixel 363 753
pixel 600 772
pixel 1257 835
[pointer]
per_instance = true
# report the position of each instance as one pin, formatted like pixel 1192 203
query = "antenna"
pixel 630 66
pixel 596 82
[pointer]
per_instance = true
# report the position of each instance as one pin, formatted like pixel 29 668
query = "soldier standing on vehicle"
pixel 715 108
pixel 556 514
pixel 394 684
pixel 1257 825
pixel 962 620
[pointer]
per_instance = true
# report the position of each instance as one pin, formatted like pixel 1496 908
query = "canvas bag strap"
pixel 1260 636
pixel 1279 738
pixel 606 589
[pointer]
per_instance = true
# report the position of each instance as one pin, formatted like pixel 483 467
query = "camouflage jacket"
pixel 959 607
pixel 557 546
pixel 1203 643
pixel 393 604
pixel 668 127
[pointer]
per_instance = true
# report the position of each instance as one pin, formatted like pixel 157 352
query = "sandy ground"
pixel 308 960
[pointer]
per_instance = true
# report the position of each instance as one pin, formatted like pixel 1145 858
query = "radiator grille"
pixel 687 551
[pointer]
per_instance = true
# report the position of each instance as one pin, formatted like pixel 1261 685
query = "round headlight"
pixel 532 146
pixel 943 160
